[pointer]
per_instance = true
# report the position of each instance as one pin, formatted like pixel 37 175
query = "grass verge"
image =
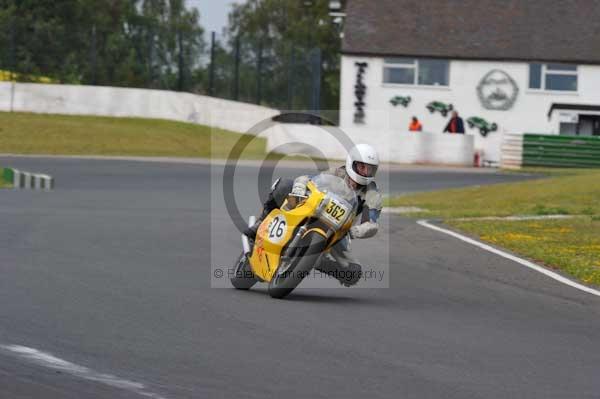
pixel 26 133
pixel 570 245
pixel 577 193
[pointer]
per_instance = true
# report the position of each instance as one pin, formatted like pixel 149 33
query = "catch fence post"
pixel 236 70
pixel 211 72
pixel 259 73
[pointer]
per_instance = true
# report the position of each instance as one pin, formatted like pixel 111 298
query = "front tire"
pixel 243 278
pixel 290 274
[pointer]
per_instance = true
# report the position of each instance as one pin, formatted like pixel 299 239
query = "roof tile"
pixel 544 30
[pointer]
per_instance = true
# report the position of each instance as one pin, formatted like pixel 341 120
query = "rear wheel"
pixel 243 278
pixel 292 271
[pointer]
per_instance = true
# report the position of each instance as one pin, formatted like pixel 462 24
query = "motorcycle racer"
pixel 359 173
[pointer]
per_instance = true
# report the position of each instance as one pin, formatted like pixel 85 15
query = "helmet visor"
pixel 364 169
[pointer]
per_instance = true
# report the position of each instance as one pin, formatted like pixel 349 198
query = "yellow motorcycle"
pixel 292 238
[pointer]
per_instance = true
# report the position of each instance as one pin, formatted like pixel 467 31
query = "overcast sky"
pixel 213 13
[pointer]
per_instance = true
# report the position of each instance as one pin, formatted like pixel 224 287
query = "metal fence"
pixel 286 76
pixel 244 70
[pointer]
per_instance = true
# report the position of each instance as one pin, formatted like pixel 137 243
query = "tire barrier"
pixel 561 151
pixel 28 180
pixel 550 150
pixel 512 151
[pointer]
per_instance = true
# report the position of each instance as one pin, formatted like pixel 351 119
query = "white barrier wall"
pixel 125 102
pixel 5 88
pixel 392 146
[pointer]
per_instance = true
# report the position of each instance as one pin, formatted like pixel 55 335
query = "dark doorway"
pixel 589 125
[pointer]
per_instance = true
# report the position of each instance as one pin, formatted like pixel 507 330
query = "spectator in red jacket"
pixel 455 124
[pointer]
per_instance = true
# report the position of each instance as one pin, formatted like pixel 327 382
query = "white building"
pixel 528 66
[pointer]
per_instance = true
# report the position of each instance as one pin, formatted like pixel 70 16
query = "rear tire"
pixel 284 282
pixel 243 278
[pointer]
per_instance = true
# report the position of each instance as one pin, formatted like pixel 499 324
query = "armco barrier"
pixel 561 151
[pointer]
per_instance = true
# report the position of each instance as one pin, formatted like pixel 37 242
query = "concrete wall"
pixel 112 101
pixel 5 89
pixel 529 113
pixel 392 146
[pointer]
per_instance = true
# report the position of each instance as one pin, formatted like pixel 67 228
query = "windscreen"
pixel 328 183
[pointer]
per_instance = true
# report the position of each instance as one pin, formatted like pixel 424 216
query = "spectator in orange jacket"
pixel 415 125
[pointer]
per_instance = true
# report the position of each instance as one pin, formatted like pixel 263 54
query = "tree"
pixel 283 27
pixel 140 43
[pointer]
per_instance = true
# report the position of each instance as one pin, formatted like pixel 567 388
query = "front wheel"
pixel 243 278
pixel 291 272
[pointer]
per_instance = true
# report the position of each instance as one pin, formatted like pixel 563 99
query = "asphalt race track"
pixel 111 272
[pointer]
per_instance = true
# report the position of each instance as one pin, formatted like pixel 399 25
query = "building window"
pixel 410 71
pixel 560 77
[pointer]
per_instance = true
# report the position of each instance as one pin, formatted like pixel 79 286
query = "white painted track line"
pixel 52 362
pixel 506 255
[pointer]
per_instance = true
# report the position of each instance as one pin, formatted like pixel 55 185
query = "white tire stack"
pixel 32 181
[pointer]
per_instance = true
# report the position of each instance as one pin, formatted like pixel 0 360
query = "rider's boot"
pixel 348 275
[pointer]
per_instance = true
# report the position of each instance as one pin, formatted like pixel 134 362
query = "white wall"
pixel 142 103
pixel 5 88
pixel 529 113
pixel 392 146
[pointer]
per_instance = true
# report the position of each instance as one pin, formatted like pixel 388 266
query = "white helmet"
pixel 367 156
